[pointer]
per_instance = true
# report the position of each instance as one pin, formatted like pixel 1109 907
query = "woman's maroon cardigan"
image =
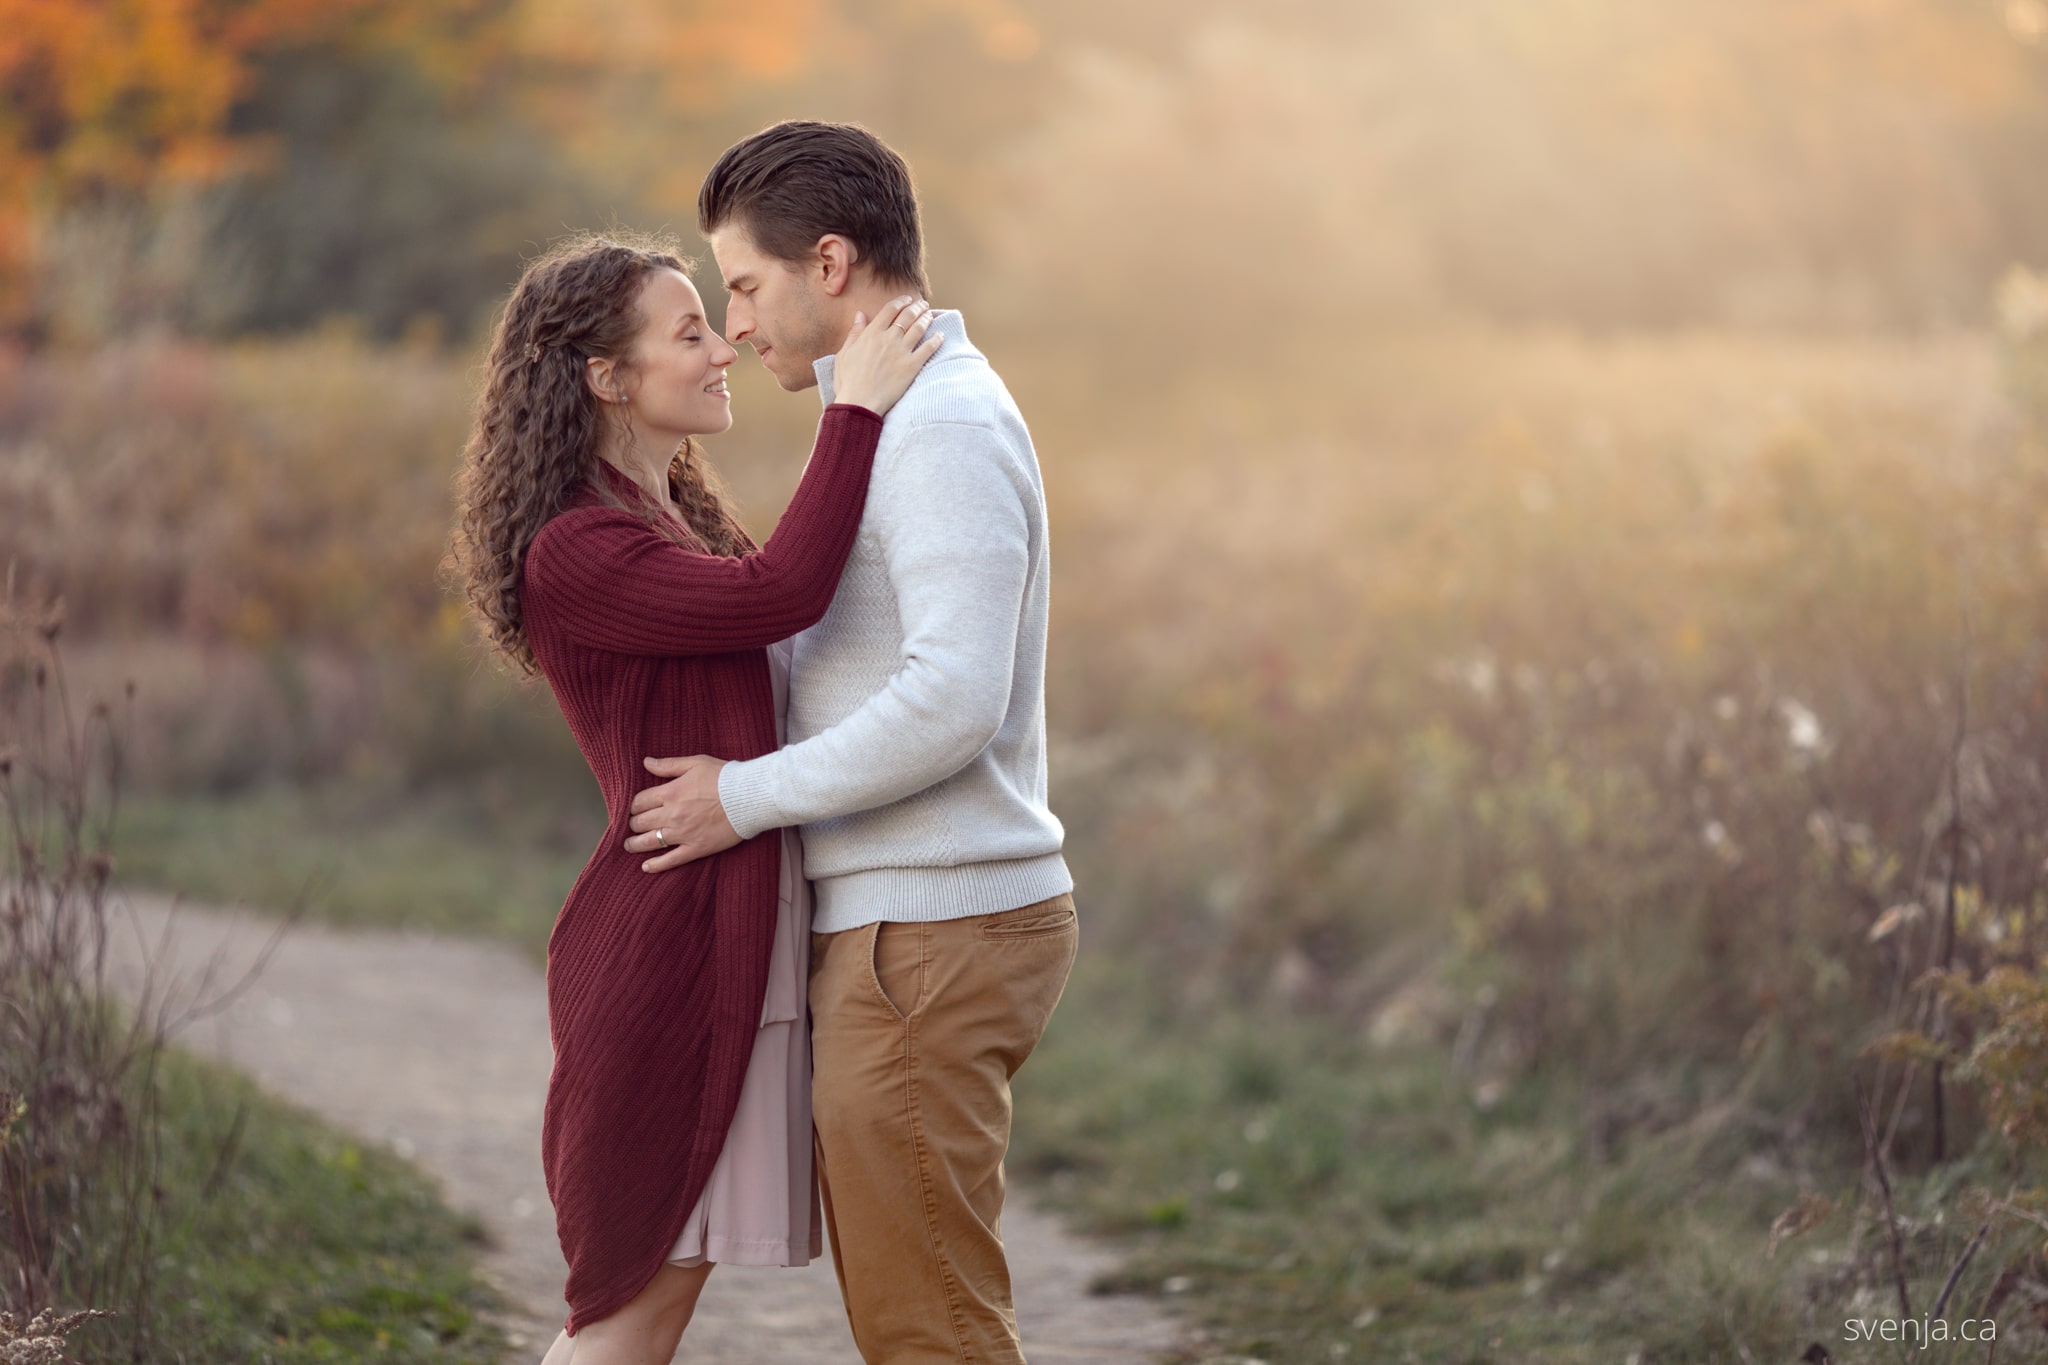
pixel 655 980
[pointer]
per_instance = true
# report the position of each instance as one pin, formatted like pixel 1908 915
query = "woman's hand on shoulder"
pixel 881 357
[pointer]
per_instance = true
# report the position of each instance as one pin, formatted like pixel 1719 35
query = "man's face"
pixel 779 308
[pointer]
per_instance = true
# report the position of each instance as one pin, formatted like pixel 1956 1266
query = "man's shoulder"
pixel 959 391
pixel 959 380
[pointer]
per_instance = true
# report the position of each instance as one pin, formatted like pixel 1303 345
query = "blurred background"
pixel 1551 517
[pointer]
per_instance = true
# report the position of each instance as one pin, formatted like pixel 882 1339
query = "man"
pixel 944 927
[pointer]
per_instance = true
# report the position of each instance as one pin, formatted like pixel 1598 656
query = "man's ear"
pixel 835 262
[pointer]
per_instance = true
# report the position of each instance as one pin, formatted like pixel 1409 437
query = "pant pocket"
pixel 896 966
pixel 1032 921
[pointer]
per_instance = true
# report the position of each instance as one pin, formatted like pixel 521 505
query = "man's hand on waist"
pixel 682 819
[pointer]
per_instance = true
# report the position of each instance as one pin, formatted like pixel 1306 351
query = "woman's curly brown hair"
pixel 539 429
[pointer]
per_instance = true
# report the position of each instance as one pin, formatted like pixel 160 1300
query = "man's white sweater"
pixel 916 756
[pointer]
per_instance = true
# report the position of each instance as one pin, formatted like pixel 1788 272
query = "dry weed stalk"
pixel 79 1125
pixel 78 1138
pixel 1875 1155
pixel 40 1341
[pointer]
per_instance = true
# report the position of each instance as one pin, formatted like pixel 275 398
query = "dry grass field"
pixel 1536 772
pixel 1548 689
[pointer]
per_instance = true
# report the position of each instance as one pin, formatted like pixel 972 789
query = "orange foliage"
pixel 118 94
pixel 127 96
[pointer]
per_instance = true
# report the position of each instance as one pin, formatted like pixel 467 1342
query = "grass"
pixel 1309 1198
pixel 360 857
pixel 1303 1194
pixel 282 1241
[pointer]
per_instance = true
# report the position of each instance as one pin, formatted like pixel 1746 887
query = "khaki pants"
pixel 916 1032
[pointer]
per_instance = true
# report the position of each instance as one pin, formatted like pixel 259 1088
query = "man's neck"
pixel 869 298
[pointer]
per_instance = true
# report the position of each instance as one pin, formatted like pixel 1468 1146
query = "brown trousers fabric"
pixel 916 1031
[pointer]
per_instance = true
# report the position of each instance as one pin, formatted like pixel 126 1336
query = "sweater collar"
pixel 947 322
pixel 619 482
pixel 610 476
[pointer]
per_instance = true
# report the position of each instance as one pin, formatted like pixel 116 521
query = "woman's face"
pixel 675 383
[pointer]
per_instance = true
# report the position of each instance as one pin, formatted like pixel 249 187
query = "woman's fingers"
pixel 907 315
pixel 876 366
pixel 927 341
pixel 907 318
pixel 916 328
pixel 888 313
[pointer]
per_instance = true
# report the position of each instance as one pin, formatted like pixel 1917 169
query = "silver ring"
pixel 661 837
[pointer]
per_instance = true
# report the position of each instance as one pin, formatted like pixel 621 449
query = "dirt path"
pixel 438 1048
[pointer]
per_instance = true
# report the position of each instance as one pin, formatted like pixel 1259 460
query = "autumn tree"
pixel 124 107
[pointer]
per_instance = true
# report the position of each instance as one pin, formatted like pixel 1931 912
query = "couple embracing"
pixel 829 918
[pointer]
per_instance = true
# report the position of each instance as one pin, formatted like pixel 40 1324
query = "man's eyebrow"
pixel 739 281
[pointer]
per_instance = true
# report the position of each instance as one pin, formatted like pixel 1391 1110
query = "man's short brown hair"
pixel 792 183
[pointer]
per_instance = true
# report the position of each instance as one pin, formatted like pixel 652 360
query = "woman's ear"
pixel 603 378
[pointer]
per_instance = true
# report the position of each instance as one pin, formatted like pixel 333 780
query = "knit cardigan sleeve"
pixel 606 580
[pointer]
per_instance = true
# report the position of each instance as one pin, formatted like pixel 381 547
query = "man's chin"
pixel 790 371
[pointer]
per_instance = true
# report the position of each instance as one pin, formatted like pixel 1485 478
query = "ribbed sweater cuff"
pixel 744 789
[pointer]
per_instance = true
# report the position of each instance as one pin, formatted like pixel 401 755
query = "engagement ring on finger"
pixel 661 837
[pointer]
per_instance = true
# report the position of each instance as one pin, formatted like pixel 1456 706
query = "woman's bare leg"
pixel 644 1332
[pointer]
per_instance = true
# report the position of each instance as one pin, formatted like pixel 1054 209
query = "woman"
pixel 600 554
